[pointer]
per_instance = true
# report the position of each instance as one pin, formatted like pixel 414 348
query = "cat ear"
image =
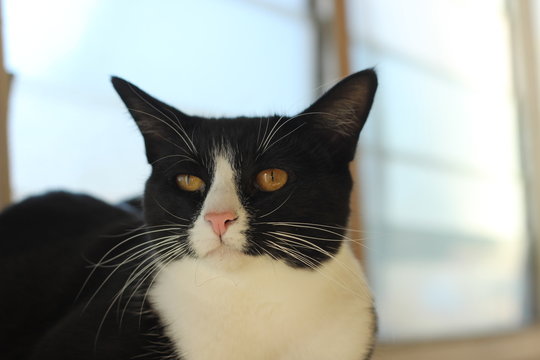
pixel 339 115
pixel 160 124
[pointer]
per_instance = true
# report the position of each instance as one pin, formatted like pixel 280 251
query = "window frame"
pixel 521 344
pixel 5 82
pixel 522 16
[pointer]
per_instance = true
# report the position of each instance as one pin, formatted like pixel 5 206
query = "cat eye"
pixel 189 182
pixel 271 179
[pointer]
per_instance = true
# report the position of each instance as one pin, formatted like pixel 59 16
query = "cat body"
pixel 48 245
pixel 240 250
pixel 266 310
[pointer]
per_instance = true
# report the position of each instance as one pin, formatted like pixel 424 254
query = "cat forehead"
pixel 250 126
pixel 235 133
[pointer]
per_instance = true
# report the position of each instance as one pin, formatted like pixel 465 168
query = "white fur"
pixel 222 196
pixel 228 306
pixel 265 309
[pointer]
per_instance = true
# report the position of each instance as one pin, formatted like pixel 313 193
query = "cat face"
pixel 273 186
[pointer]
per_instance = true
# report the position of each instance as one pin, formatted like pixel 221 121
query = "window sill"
pixel 520 345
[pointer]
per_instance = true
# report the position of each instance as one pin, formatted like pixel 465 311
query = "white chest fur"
pixel 266 310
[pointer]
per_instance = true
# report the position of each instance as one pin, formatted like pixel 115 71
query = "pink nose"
pixel 220 221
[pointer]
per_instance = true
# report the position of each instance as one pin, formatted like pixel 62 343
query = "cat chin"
pixel 225 257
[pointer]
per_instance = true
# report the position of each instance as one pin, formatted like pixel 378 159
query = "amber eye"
pixel 189 182
pixel 271 179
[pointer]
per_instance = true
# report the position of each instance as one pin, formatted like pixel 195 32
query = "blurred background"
pixel 448 177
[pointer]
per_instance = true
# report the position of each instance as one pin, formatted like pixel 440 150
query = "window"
pixel 68 129
pixel 442 182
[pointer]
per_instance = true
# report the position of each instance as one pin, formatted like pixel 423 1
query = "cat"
pixel 237 250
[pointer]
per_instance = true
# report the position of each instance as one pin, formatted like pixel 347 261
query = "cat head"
pixel 274 186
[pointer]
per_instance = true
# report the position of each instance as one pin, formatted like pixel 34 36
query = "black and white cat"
pixel 240 251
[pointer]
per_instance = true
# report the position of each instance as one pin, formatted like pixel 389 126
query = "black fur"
pixel 56 305
pixel 47 246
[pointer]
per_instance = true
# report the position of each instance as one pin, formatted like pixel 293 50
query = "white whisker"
pixel 284 136
pixel 314 265
pixel 278 207
pixel 293 223
pixel 107 278
pixel 191 146
pixel 175 130
pixel 185 157
pixel 170 248
pixel 141 275
pixel 102 259
pixel 163 264
pixel 168 212
pixel 285 236
pixel 179 123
